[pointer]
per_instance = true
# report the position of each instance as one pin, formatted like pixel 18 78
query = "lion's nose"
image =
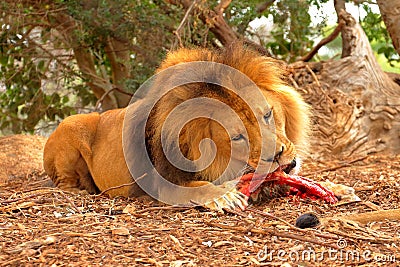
pixel 276 157
pixel 290 166
pixel 279 154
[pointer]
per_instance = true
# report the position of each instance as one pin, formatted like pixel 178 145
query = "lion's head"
pixel 272 132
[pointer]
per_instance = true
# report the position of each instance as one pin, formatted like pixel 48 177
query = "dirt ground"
pixel 42 226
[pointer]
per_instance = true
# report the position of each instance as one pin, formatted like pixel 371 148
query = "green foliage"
pixel 241 13
pixel 40 80
pixel 378 36
pixel 39 85
pixel 292 35
pixel 22 101
pixel 146 25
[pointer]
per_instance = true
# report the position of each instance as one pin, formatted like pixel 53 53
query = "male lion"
pixel 90 152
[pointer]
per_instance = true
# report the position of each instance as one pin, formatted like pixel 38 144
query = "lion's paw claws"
pixel 233 200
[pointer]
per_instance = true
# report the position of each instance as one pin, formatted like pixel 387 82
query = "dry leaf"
pixel 129 209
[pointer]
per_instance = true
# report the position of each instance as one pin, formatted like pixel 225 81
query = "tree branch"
pixel 108 92
pixel 51 55
pixel 339 6
pixel 185 18
pixel 223 4
pixel 323 42
pixel 262 7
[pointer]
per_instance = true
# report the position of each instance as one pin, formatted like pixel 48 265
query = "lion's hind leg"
pixel 67 178
pixel 69 171
pixel 68 152
pixel 85 178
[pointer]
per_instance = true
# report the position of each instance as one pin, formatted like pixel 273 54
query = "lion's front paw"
pixel 232 199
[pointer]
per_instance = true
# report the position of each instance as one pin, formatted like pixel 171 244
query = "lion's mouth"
pixel 277 183
pixel 287 168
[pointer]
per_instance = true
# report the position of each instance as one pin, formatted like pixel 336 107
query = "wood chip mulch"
pixel 41 226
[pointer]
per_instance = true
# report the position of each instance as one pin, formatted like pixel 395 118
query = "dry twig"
pixel 107 93
pixel 323 42
pixel 70 202
pixel 122 185
pixel 185 18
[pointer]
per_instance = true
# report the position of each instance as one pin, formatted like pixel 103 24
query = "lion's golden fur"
pixel 85 151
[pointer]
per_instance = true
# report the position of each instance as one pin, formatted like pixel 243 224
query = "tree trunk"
pixel 390 11
pixel 356 105
pixel 66 26
pixel 118 54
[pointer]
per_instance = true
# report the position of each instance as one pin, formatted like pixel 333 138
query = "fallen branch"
pixel 42 191
pixel 372 216
pixel 363 238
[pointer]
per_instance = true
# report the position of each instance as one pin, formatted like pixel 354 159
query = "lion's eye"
pixel 238 137
pixel 268 116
